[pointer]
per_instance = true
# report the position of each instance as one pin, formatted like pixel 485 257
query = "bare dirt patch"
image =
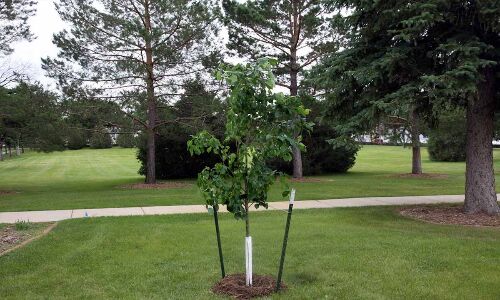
pixel 423 176
pixel 157 186
pixel 5 193
pixel 234 286
pixel 307 180
pixel 12 238
pixel 450 215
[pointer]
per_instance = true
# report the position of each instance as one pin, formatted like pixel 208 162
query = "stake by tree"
pixel 294 31
pixel 259 127
pixel 14 15
pixel 134 51
pixel 433 54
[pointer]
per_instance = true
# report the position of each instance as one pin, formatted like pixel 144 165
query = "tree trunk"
pixel 1 151
pixel 480 194
pixel 416 160
pixel 10 150
pixel 152 112
pixel 297 155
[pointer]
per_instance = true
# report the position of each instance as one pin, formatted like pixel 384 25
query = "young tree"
pixel 294 31
pixel 431 54
pixel 134 51
pixel 258 128
pixel 14 26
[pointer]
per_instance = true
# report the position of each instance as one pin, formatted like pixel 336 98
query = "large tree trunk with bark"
pixel 416 160
pixel 297 155
pixel 152 112
pixel 480 194
pixel 294 70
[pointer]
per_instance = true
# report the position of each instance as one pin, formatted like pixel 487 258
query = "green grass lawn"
pixel 355 253
pixel 92 178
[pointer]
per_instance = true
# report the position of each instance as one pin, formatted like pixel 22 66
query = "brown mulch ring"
pixel 156 186
pixel 234 286
pixel 423 176
pixel 449 215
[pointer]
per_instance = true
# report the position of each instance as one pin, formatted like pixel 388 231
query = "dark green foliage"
pixel 100 139
pixel 447 141
pixel 126 140
pixel 14 26
pixel 76 139
pixel 327 151
pixel 173 160
pixel 398 54
pixel 30 116
pixel 196 110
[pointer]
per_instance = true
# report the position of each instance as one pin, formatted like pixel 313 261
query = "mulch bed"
pixel 9 237
pixel 450 215
pixel 423 176
pixel 234 286
pixel 156 186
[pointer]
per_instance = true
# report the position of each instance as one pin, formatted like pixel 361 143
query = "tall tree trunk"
pixel 297 155
pixel 294 69
pixel 1 151
pixel 10 150
pixel 152 112
pixel 480 194
pixel 416 159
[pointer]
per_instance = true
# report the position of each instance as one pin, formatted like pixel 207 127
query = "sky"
pixel 43 24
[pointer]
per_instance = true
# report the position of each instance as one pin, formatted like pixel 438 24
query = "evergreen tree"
pixel 30 117
pixel 431 55
pixel 14 26
pixel 135 51
pixel 293 31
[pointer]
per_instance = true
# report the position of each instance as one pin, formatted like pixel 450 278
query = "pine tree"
pixel 293 31
pixel 14 15
pixel 432 55
pixel 134 51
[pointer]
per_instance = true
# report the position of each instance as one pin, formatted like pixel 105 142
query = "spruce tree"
pixel 293 31
pixel 134 51
pixel 433 55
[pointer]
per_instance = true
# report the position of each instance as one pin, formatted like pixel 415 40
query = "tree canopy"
pixel 433 55
pixel 295 32
pixel 135 52
pixel 14 15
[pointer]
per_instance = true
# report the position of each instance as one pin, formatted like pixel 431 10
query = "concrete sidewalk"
pixel 58 215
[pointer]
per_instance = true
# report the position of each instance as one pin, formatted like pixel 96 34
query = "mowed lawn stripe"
pixel 92 178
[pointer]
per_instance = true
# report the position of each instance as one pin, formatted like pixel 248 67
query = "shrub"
pixel 447 140
pixel 100 139
pixel 324 153
pixel 126 140
pixel 173 160
pixel 76 139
